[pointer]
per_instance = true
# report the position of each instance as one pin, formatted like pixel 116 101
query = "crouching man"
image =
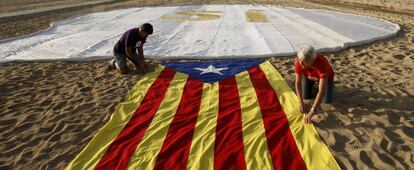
pixel 127 46
pixel 313 69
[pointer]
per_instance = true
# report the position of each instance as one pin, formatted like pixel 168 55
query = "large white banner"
pixel 200 32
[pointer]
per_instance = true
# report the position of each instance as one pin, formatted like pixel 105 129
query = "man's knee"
pixel 124 70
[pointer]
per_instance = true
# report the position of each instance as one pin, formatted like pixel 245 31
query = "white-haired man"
pixel 313 68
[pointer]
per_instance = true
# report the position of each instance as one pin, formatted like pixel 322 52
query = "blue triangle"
pixel 219 69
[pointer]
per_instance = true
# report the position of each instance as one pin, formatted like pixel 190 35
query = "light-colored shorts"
pixel 120 60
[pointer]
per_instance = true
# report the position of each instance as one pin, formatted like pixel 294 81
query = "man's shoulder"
pixel 132 30
pixel 132 35
pixel 321 58
pixel 319 55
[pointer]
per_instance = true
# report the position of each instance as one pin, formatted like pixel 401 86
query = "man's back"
pixel 129 39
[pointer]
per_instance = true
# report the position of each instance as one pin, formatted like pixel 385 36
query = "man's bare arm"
pixel 130 55
pixel 141 58
pixel 298 86
pixel 141 52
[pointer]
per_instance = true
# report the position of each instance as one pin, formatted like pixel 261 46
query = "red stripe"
pixel 175 150
pixel 282 146
pixel 122 148
pixel 229 147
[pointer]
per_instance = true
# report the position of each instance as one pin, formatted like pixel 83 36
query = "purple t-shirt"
pixel 129 39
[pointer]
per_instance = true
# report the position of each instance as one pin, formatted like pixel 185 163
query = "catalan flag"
pixel 227 114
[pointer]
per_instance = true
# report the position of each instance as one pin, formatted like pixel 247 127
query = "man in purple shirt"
pixel 126 48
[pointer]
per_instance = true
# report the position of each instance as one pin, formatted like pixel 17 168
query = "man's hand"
pixel 309 116
pixel 142 66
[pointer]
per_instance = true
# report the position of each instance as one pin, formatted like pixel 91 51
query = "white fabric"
pixel 229 35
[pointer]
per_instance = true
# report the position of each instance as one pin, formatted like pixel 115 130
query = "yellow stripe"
pixel 314 152
pixel 254 136
pixel 202 148
pixel 95 149
pixel 149 147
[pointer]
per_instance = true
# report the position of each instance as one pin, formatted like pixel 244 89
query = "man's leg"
pixel 121 63
pixel 111 63
pixel 328 98
pixel 307 88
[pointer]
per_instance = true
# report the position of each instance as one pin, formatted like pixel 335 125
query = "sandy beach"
pixel 49 110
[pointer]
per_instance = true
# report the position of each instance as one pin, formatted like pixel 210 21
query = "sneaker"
pixel 111 65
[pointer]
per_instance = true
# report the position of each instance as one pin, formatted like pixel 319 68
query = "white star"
pixel 211 69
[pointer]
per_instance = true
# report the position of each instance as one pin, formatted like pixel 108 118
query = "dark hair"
pixel 147 27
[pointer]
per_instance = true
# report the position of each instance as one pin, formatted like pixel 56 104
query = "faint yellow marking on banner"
pixel 256 16
pixel 193 15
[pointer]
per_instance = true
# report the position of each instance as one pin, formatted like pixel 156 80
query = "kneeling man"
pixel 126 48
pixel 311 69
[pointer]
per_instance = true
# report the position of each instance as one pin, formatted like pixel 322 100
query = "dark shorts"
pixel 309 90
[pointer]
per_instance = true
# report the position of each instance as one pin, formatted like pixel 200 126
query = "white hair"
pixel 306 53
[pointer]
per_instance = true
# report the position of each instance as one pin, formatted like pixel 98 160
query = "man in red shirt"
pixel 313 68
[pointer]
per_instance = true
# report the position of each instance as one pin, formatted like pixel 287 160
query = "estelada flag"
pixel 228 114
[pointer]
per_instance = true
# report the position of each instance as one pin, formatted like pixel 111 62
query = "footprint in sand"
pixel 85 89
pixel 399 56
pixel 387 159
pixel 402 47
pixel 409 132
pixel 386 145
pixel 363 156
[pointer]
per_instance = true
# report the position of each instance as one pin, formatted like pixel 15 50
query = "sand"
pixel 50 110
pixel 49 7
pixel 394 4
pixel 10 6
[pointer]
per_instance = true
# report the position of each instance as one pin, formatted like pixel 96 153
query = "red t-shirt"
pixel 321 68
